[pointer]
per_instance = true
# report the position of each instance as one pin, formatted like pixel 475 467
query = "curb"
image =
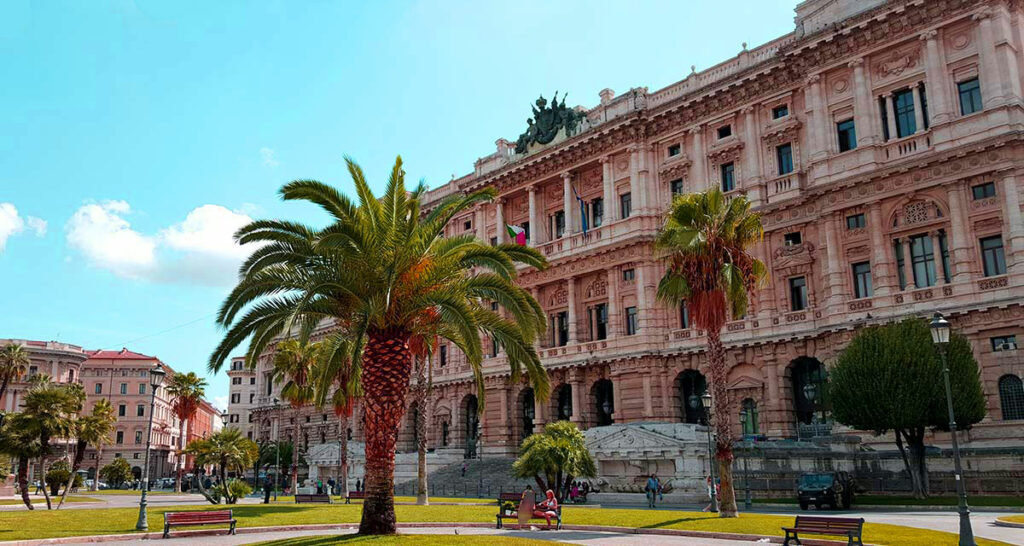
pixel 915 507
pixel 1003 523
pixel 157 535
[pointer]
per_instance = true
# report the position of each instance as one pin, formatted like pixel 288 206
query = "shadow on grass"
pixel 667 523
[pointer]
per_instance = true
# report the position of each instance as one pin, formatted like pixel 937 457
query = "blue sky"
pixel 136 136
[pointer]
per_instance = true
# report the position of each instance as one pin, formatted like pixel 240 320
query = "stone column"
pixel 918 110
pixel 999 73
pixel 1014 225
pixel 643 313
pixel 940 276
pixel 536 229
pixel 614 320
pixel 863 118
pixel 881 270
pixel 698 166
pixel 567 204
pixel 575 385
pixel 608 186
pixel 817 141
pixel 834 276
pixel 616 398
pixel 499 205
pixel 752 157
pixel 479 220
pixel 635 185
pixel 959 247
pixel 571 289
pixel 538 412
pixel 648 395
pixel 937 80
pixel 908 262
pixel 890 107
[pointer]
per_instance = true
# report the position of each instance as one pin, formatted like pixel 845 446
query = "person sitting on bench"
pixel 547 508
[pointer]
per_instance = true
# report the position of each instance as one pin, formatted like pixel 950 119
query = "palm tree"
pixel 294 365
pixel 14 360
pixel 97 431
pixel 555 457
pixel 277 451
pixel 19 439
pixel 333 384
pixel 384 272
pixel 705 242
pixel 226 449
pixel 186 390
pixel 52 410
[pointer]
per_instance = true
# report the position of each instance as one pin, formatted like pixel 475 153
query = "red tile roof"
pixel 123 354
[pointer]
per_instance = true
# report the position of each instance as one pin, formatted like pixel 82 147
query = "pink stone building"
pixel 881 141
pixel 61 361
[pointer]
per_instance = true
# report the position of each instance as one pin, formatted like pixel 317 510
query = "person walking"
pixel 267 486
pixel 359 485
pixel 652 489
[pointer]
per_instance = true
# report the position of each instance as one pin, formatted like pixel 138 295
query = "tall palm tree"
pixel 52 410
pixel 187 391
pixel 96 431
pixel 384 272
pixel 14 360
pixel 705 242
pixel 334 385
pixel 226 449
pixel 294 366
pixel 19 439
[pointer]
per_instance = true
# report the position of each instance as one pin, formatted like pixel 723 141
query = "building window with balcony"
pixel 122 410
pixel 140 410
pixel 780 111
pixel 560 322
pixel 443 356
pixel 970 96
pixel 628 274
pixel 596 213
pixel 728 172
pixel 99 388
pixel 784 155
pixel 847 134
pixel 922 260
pixel 599 322
pixel 897 249
pixel 862 280
pixel 676 186
pixel 559 220
pixel 983 191
pixel 992 257
pixel 684 316
pixel 797 293
pixel 138 436
pixel 631 325
pixel 903 103
pixel 856 221
pixel 626 204
pixel 674 150
pixel 1011 397
pixel 1003 343
pixel 124 388
pixel 119 439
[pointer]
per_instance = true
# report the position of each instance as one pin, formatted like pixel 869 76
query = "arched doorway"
pixel 809 402
pixel 472 426
pixel 1011 397
pixel 563 407
pixel 604 402
pixel 136 472
pixel 691 385
pixel 526 413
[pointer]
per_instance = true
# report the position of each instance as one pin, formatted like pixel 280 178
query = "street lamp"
pixel 277 443
pixel 940 336
pixel 706 401
pixel 156 378
pixel 746 475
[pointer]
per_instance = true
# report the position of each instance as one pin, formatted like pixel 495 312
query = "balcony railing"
pixel 907 146
pixel 786 186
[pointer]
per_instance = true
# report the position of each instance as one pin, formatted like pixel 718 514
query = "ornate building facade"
pixel 61 361
pixel 881 141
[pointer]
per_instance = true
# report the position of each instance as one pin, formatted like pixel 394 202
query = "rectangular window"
pixel 236 398
pixel 559 224
pixel 684 316
pixel 467 225
pixel 122 410
pixel 99 388
pixel 597 211
pixel 944 254
pixel 728 177
pixel 883 107
pixel 970 96
pixel 983 191
pixel 443 358
pixel 142 388
pixel 140 410
pixel 494 241
pixel 236 380
pixel 897 249
pixel 526 231
pixel 124 388
pixel 674 150
pixel 903 103
pixel 628 274
pixel 922 260
pixel 1004 343
pixel 252 380
pixel 797 294
pixel 780 111
pixel 862 280
pixel 856 221
pixel 119 438
pixel 494 347
pixel 792 238
pixel 847 134
pixel 626 204
pixel 267 379
pixel 784 154
pixel 631 325
pixel 992 256
pixel 252 396
pixel 562 324
pixel 724 131
pixel 138 436
pixel 600 320
pixel 676 186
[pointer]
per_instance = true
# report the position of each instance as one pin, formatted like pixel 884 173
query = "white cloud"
pixel 11 224
pixel 220 402
pixel 200 249
pixel 268 157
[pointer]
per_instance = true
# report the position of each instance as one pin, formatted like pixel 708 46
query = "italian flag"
pixel 517 233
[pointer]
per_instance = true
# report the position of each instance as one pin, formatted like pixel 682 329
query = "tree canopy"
pixel 555 457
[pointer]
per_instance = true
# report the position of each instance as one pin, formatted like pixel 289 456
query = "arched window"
pixel 604 402
pixel 472 426
pixel 564 402
pixel 528 413
pixel 1011 397
pixel 748 417
pixel 809 390
pixel 692 385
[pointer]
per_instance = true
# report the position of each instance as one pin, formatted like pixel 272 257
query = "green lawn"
pixel 418 540
pixel 341 500
pixel 903 500
pixel 1013 519
pixel 40 500
pixel 134 492
pixel 23 525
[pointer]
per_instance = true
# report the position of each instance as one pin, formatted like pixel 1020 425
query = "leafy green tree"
pixel 294 367
pixel 890 379
pixel 19 439
pixel 117 472
pixel 60 474
pixel 705 242
pixel 555 457
pixel 383 272
pixel 270 458
pixel 226 449
pixel 14 360
pixel 186 391
pixel 334 385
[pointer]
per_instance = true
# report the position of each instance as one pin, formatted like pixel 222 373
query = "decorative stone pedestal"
pixel 7 486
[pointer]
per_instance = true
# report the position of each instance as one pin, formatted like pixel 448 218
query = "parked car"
pixel 833 489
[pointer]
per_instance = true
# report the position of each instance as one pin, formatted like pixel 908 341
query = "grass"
pixel 23 525
pixel 40 500
pixel 341 500
pixel 134 492
pixel 1013 519
pixel 418 540
pixel 904 500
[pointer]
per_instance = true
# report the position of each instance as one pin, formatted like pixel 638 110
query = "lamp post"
pixel 746 475
pixel 156 378
pixel 706 401
pixel 277 444
pixel 940 336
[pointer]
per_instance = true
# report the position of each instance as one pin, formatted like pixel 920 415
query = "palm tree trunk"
pixel 3 386
pixel 295 460
pixel 343 454
pixel 75 465
pixel 42 481
pixel 387 366
pixel 23 481
pixel 723 425
pixel 422 495
pixel 181 453
pixel 96 469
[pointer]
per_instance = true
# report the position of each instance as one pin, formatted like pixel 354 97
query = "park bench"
pixel 190 519
pixel 354 495
pixel 314 499
pixel 851 528
pixel 516 498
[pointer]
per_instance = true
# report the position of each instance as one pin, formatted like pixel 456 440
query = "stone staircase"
pixel 485 478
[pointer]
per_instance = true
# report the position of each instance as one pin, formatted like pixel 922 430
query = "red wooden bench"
pixel 355 495
pixel 189 519
pixel 851 528
pixel 515 498
pixel 317 499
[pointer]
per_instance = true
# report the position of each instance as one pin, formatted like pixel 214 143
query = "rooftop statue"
pixel 546 123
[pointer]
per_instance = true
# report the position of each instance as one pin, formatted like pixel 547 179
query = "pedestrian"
pixel 711 494
pixel 651 489
pixel 464 467
pixel 330 486
pixel 547 508
pixel 359 485
pixel 267 485
pixel 319 486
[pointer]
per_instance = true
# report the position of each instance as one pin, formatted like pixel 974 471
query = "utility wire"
pixel 162 332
